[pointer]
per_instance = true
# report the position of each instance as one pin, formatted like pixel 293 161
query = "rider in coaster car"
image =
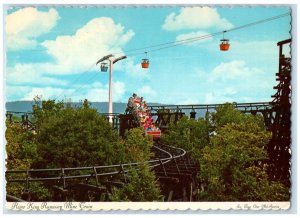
pixel 130 104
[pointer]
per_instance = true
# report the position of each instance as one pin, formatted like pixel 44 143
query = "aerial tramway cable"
pixel 161 46
pixel 75 80
pixel 166 45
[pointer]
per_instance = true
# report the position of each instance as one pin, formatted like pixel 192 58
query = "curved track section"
pixel 95 179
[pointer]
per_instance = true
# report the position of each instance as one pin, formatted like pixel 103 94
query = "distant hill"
pixel 102 107
pixel 20 106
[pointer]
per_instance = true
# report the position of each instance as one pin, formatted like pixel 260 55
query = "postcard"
pixel 146 107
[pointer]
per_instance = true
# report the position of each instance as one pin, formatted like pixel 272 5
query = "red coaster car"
pixel 154 133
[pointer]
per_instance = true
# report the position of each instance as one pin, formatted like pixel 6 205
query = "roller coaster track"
pixel 169 164
pixel 162 110
pixel 245 107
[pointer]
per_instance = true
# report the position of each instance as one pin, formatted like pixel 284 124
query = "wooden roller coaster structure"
pixel 95 183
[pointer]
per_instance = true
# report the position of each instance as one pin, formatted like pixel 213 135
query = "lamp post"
pixel 110 101
pixel 111 63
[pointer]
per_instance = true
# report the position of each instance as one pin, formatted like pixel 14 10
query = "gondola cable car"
pixel 145 62
pixel 224 45
pixel 104 67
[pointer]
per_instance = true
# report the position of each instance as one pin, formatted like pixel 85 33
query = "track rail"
pixel 207 107
pixel 154 108
pixel 157 110
pixel 64 174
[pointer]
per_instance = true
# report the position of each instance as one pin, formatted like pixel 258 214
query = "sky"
pixel 52 52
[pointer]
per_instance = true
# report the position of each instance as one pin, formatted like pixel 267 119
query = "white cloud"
pixel 233 71
pixel 74 54
pixel 258 51
pixel 29 73
pixel 221 95
pixel 25 25
pixel 217 98
pixel 255 63
pixel 45 92
pixel 16 92
pixel 79 52
pixel 147 91
pixel 135 70
pixel 98 92
pixel 195 18
pixel 235 81
pixel 189 101
pixel 199 34
pixel 99 37
pixel 230 91
pixel 198 73
pixel 118 90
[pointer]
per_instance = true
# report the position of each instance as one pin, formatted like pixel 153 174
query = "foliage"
pixel 73 137
pixel 268 190
pixel 21 153
pixel 20 148
pixel 86 104
pixel 224 161
pixel 231 165
pixel 230 147
pixel 44 109
pixel 141 187
pixel 189 134
pixel 137 146
pixel 227 113
pixel 15 118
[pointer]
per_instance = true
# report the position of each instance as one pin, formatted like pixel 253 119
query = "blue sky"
pixel 52 51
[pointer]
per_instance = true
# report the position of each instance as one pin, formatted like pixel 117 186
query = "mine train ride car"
pixel 142 116
pixel 156 134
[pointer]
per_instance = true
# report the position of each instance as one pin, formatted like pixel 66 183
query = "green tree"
pixel 232 166
pixel 224 162
pixel 227 113
pixel 73 137
pixel 44 109
pixel 138 146
pixel 21 153
pixel 20 147
pixel 86 104
pixel 141 187
pixel 230 147
pixel 78 137
pixel 189 134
